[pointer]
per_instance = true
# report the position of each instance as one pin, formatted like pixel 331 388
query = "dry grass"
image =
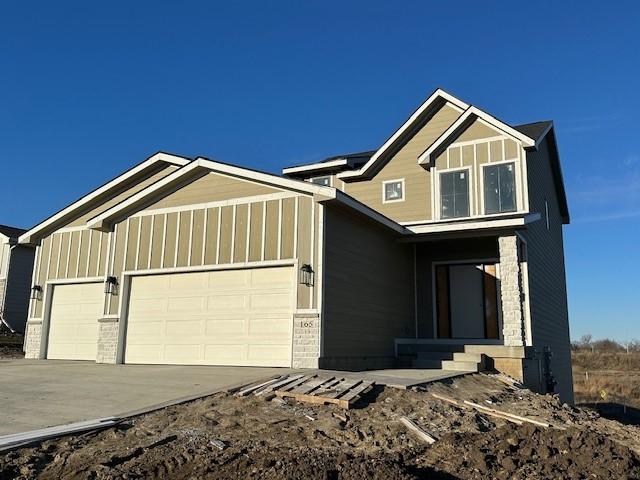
pixel 607 377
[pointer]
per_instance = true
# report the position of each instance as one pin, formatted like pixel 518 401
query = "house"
pixel 443 247
pixel 16 266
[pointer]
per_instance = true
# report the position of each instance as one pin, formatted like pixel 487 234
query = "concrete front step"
pixel 461 366
pixel 456 361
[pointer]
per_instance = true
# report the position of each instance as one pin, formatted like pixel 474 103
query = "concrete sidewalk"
pixel 41 393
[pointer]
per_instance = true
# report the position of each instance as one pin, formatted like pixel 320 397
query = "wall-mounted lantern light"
pixel 306 275
pixel 110 285
pixel 36 292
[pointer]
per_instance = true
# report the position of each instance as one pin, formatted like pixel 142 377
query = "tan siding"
pixel 158 235
pixel 212 187
pixel 64 254
pixel 103 250
pixel 211 244
pixel 546 266
pixel 132 244
pixel 288 227
pixel 511 149
pixel 56 240
pixel 404 164
pixel 184 239
pixel 145 240
pixel 73 254
pixel 124 193
pixel 367 304
pixel 304 246
pixel 118 243
pixel 495 151
pixel 255 242
pixel 271 233
pixel 197 239
pixel 226 223
pixel 477 130
pixel 240 236
pixel 83 253
pixel 171 240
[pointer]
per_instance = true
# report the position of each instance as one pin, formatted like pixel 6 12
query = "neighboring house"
pixel 443 244
pixel 16 267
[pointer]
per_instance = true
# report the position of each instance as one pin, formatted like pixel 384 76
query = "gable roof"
pixel 350 160
pixel 201 165
pixel 66 213
pixel 11 232
pixel 467 118
pixel 535 130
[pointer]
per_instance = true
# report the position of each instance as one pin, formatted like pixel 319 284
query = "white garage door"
pixel 73 330
pixel 229 317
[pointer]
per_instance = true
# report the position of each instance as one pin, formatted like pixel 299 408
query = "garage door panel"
pixel 230 317
pixel 73 321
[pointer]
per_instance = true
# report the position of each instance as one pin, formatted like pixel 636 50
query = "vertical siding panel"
pixel 271 233
pixel 255 241
pixel 145 240
pixel 211 240
pixel 118 260
pixel 226 225
pixel 73 254
pixel 287 227
pixel 54 259
pixel 83 254
pixel 65 238
pixel 44 252
pixel 132 243
pixel 170 240
pixel 240 236
pixel 156 246
pixel 197 238
pixel 496 151
pixel 93 253
pixel 184 239
pixel 103 251
pixel 304 246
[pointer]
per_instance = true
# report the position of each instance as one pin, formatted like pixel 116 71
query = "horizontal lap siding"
pixel 368 288
pixel 279 229
pixel 547 281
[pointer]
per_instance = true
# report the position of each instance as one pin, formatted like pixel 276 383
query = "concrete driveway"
pixel 42 393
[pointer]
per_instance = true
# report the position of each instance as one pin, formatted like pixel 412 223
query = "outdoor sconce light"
pixel 306 275
pixel 110 285
pixel 36 292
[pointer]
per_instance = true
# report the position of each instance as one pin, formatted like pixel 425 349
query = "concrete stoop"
pixel 451 360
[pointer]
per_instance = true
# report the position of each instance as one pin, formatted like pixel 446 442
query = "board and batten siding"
pixel 240 232
pixel 404 164
pixel 546 267
pixel 368 293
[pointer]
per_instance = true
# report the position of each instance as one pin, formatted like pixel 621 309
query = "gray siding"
pixel 18 287
pixel 547 281
pixel 368 292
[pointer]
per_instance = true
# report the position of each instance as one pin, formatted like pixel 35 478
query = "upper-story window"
pixel 499 188
pixel 393 191
pixel 454 194
pixel 325 181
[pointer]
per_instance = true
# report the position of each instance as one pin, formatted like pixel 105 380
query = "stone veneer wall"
pixel 306 340
pixel 108 329
pixel 510 290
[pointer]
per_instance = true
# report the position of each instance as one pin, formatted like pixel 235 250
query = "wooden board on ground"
pixel 321 390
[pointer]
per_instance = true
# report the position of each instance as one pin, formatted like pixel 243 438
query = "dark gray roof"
pixel 11 232
pixel 534 130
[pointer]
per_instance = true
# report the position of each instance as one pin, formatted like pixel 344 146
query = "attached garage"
pixel 73 327
pixel 241 317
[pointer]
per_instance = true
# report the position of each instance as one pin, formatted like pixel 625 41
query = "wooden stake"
pixel 424 436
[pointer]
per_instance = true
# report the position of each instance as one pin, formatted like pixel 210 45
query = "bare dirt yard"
pixel 227 437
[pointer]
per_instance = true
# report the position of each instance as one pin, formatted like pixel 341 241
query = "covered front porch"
pixel 471 305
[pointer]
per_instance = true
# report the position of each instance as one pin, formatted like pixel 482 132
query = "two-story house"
pixel 442 248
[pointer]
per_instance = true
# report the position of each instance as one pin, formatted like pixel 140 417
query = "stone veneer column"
pixel 510 291
pixel 306 340
pixel 108 329
pixel 33 340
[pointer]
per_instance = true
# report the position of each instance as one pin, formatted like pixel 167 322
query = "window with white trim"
pixel 324 181
pixel 393 191
pixel 454 194
pixel 499 188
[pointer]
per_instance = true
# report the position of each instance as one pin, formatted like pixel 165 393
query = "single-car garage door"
pixel 226 317
pixel 73 323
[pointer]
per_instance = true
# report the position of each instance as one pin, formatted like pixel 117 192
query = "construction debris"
pixel 422 435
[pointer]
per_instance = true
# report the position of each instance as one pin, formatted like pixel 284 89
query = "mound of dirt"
pixel 226 437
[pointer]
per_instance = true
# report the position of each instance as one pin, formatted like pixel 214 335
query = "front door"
pixel 467 301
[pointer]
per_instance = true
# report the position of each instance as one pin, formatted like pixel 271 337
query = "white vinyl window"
pixel 499 188
pixel 325 181
pixel 454 194
pixel 393 191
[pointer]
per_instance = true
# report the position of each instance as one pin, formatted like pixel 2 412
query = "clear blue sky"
pixel 87 89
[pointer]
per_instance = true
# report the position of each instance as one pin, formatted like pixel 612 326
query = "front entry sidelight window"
pixel 454 194
pixel 499 188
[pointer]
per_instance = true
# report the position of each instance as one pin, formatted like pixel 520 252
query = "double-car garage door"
pixel 229 317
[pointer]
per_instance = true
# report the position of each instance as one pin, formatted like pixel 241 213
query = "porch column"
pixel 510 291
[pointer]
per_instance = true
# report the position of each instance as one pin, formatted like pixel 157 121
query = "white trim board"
pixel 315 166
pixel 479 224
pixel 28 237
